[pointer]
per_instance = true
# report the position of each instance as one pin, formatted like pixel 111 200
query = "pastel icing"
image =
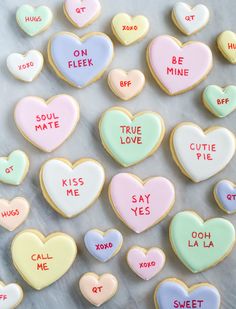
pixel 172 293
pixel 11 295
pixel 141 204
pixel 226 42
pixel 71 188
pixel 103 245
pixel 178 67
pixel 201 154
pixel 225 195
pixel 33 20
pixel 130 139
pixel 146 263
pixel 47 124
pixel 80 61
pixel 201 245
pixel 42 260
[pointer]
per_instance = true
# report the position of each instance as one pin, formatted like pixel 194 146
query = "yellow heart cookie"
pixel 226 42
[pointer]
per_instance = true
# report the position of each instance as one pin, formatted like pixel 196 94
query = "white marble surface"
pixel 133 292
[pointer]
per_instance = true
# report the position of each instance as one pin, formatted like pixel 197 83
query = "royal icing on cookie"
pixel 201 245
pixel 11 295
pixel 103 245
pixel 225 196
pixel 34 20
pixel 98 289
pixel 201 154
pixel 220 101
pixel 14 168
pixel 189 19
pixel 141 204
pixel 80 61
pixel 130 139
pixel 25 67
pixel 173 293
pixel 128 29
pixel 146 263
pixel 42 260
pixel 82 13
pixel 71 188
pixel 226 42
pixel 178 67
pixel 126 85
pixel 47 124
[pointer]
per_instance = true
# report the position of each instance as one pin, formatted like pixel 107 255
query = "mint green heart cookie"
pixel 130 139
pixel 198 244
pixel 33 20
pixel 14 168
pixel 220 101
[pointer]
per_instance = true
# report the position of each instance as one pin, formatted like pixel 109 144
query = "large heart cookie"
pixel 226 42
pixel 201 245
pixel 201 154
pixel 47 124
pixel 71 188
pixel 141 204
pixel 130 139
pixel 178 67
pixel 42 260
pixel 225 196
pixel 80 61
pixel 11 295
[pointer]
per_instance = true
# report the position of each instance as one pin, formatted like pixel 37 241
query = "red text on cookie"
pixel 97 289
pixel 71 185
pixel 104 246
pixel 176 67
pixel 9 169
pixel 203 151
pixel 39 259
pixel 10 213
pixel 131 135
pixel 194 303
pixel 81 59
pixel 231 45
pixel 147 264
pixel 80 10
pixel 222 101
pixel 129 28
pixel 190 17
pixel 47 121
pixel 33 19
pixel 25 66
pixel 140 205
pixel 3 297
pixel 125 83
pixel 201 239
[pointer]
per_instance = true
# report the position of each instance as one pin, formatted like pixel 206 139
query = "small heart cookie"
pixel 225 196
pixel 11 295
pixel 226 43
pixel 126 85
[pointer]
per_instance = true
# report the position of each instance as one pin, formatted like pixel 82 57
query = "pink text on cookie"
pixel 46 121
pixel 194 303
pixel 140 205
pixel 131 135
pixel 231 197
pixel 80 10
pixel 190 17
pixel 9 169
pixel 105 246
pixel 176 67
pixel 81 59
pixel 3 297
pixel 33 19
pixel 200 239
pixel 25 66
pixel 203 151
pixel 71 186
pixel 147 264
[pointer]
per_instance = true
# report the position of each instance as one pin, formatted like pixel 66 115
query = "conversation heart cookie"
pixel 130 139
pixel 25 67
pixel 14 168
pixel 226 43
pixel 220 101
pixel 98 289
pixel 71 188
pixel 201 154
pixel 201 245
pixel 172 293
pixel 128 29
pixel 178 67
pixel 47 124
pixel 34 20
pixel 82 13
pixel 103 245
pixel 189 19
pixel 146 263
pixel 80 61
pixel 126 85
pixel 141 204
pixel 225 196
pixel 42 260
pixel 11 295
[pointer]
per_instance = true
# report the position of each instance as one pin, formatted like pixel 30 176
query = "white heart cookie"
pixel 11 295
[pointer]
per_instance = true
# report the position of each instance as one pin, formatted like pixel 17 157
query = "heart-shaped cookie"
pixel 130 139
pixel 226 43
pixel 13 213
pixel 201 245
pixel 80 61
pixel 47 124
pixel 201 154
pixel 34 20
pixel 71 188
pixel 178 67
pixel 42 260
pixel 225 196
pixel 141 204
pixel 98 289
pixel 126 85
pixel 146 263
pixel 11 295
pixel 14 168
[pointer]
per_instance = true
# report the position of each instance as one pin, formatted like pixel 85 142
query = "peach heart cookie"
pixel 225 196
pixel 130 139
pixel 98 289
pixel 126 85
pixel 141 204
pixel 25 67
pixel 82 13
pixel 13 213
pixel 42 260
pixel 71 188
pixel 201 154
pixel 47 124
pixel 11 295
pixel 146 263
pixel 226 42
pixel 178 67
pixel 80 61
